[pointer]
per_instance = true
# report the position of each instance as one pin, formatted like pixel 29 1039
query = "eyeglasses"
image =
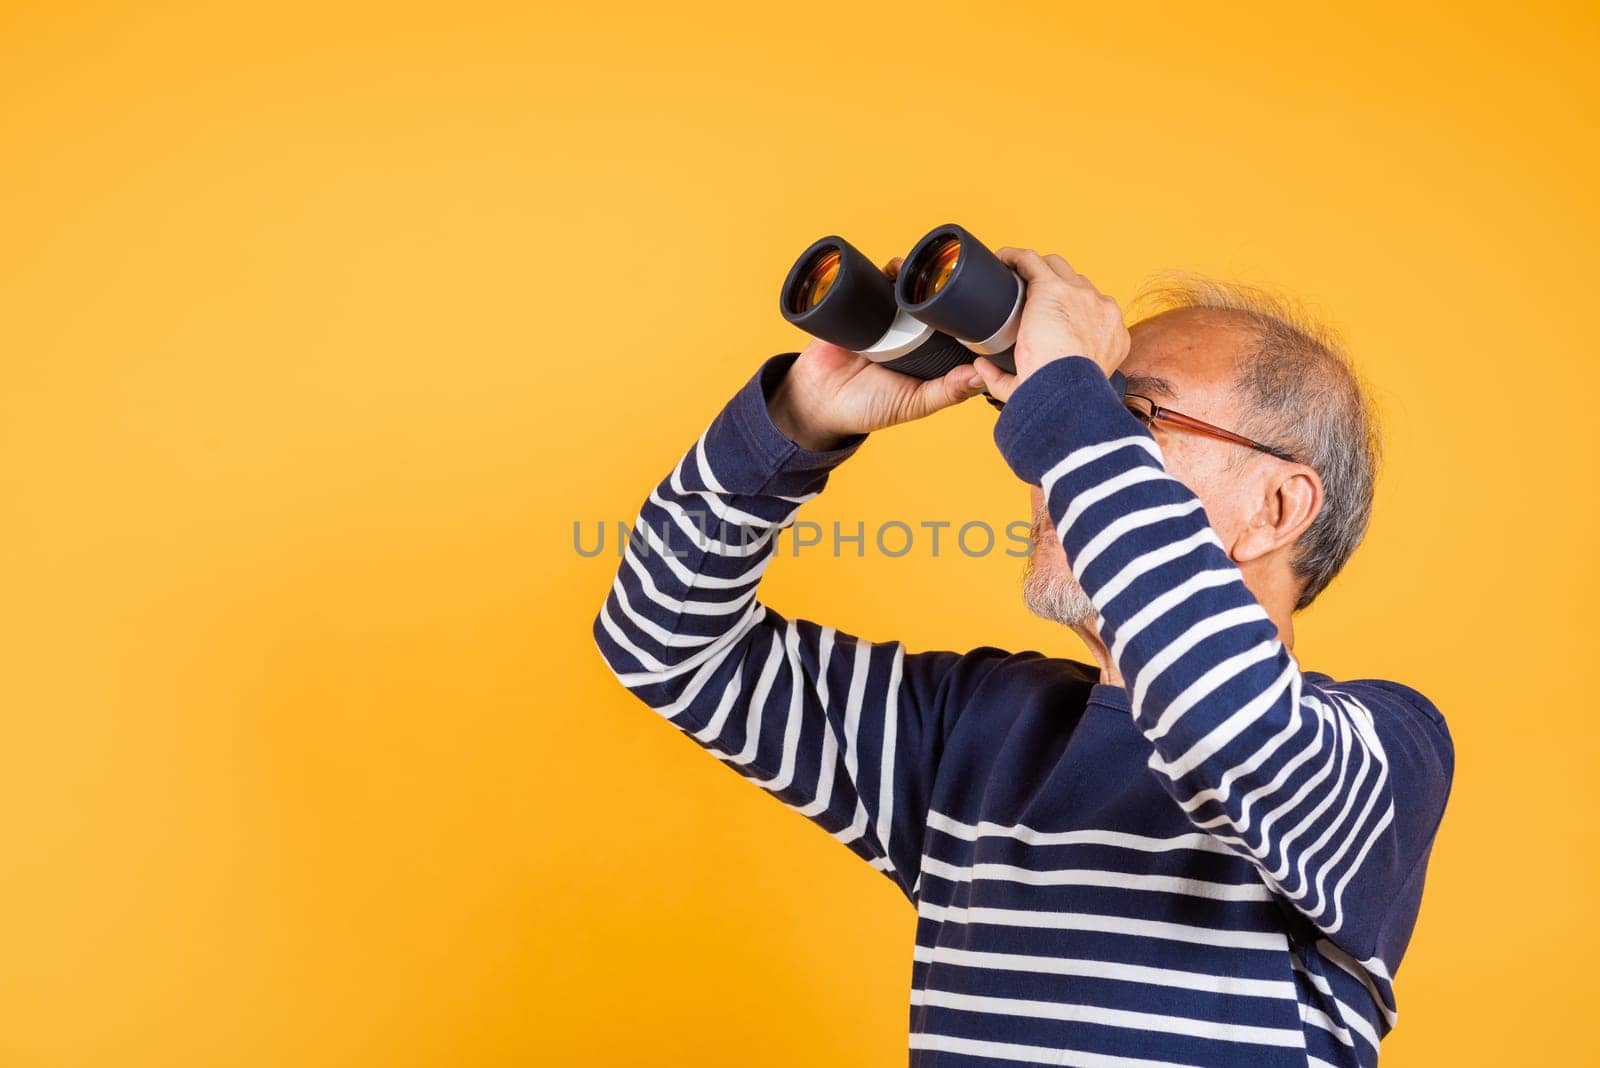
pixel 1148 411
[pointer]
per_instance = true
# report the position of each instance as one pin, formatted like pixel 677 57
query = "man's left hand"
pixel 1063 314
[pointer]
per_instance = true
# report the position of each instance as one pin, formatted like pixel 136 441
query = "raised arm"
pixel 1333 791
pixel 844 730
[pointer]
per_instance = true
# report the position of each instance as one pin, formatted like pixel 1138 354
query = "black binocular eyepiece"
pixel 951 301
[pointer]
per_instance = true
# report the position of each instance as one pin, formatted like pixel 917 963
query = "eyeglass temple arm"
pixel 1119 382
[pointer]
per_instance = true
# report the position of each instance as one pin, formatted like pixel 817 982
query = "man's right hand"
pixel 831 393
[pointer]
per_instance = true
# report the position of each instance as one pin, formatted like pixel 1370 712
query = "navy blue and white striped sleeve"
pixel 844 730
pixel 1334 792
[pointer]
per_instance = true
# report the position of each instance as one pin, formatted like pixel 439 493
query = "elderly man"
pixel 1198 853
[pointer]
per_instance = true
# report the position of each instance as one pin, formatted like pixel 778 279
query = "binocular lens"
pixel 819 276
pixel 933 269
pixel 835 293
pixel 957 286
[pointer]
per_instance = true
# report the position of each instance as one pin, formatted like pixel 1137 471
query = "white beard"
pixel 1055 594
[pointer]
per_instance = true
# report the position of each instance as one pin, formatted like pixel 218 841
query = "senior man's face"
pixel 1184 360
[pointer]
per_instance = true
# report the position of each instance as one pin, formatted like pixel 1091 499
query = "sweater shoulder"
pixel 1398 710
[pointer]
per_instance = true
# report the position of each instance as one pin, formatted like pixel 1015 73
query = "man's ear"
pixel 1291 497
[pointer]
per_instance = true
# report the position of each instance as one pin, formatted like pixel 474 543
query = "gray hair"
pixel 1300 392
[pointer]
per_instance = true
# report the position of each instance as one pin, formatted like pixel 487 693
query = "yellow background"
pixel 321 325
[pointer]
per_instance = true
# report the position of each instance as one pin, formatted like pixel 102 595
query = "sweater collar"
pixel 1116 697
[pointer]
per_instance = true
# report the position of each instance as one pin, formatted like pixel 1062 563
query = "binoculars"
pixel 952 301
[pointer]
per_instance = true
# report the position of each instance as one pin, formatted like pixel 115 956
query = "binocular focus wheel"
pixel 934 358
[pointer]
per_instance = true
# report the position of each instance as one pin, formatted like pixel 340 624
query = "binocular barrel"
pixel 952 300
pixel 835 293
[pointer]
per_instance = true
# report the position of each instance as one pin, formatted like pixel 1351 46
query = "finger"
pixel 1066 271
pixel 998 382
pixel 1062 267
pixel 959 384
pixel 892 268
pixel 1027 263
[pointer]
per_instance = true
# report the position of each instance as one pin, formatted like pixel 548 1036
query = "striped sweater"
pixel 1218 863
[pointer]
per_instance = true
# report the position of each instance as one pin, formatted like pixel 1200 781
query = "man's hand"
pixel 831 393
pixel 1063 315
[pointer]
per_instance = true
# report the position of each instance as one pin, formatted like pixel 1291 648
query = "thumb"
pixel 1000 384
pixel 958 384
